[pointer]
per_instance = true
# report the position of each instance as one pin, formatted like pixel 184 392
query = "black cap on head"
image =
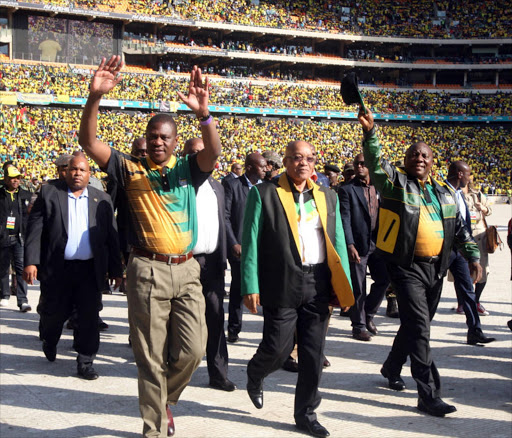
pixel 332 168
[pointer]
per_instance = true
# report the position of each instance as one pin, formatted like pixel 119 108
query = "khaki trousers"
pixel 166 311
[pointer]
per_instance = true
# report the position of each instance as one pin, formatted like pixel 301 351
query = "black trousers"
pixel 418 290
pixel 13 250
pixel 310 319
pixel 212 281
pixel 366 306
pixel 464 289
pixel 76 288
pixel 235 308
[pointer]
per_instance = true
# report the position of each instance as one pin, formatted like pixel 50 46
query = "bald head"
pixel 459 174
pixel 192 146
pixel 299 162
pixel 139 148
pixel 255 167
pixel 78 173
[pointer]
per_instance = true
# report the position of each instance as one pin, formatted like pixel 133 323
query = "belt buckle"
pixel 169 261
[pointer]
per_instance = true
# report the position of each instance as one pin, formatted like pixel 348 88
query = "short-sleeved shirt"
pixel 161 201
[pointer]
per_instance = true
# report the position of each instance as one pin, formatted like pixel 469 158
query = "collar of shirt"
pixel 250 183
pixel 154 166
pixel 85 194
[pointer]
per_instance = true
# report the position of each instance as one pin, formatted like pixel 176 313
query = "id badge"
pixel 11 221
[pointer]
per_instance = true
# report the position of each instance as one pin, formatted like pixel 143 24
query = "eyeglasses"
pixel 299 158
pixel 359 163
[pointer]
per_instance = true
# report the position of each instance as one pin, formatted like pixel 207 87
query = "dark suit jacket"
pixel 230 176
pixel 23 200
pixel 47 234
pixel 356 217
pixel 236 191
pixel 271 261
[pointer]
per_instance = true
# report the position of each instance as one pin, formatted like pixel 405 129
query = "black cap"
pixel 350 90
pixel 332 168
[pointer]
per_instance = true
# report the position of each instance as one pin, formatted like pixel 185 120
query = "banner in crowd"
pixel 12 98
pixel 8 98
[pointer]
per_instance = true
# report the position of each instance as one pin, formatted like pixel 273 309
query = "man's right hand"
pixel 237 250
pixel 252 301
pixel 353 255
pixel 107 76
pixel 366 119
pixel 30 274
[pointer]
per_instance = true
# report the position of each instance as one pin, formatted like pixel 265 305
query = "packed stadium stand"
pixel 437 70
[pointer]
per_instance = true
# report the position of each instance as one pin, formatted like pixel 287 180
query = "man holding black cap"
pixel 14 203
pixel 419 224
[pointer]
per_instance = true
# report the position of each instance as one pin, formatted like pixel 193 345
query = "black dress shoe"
pixel 394 382
pixel 170 422
pixel 87 372
pixel 362 336
pixel 314 428
pixel 232 338
pixel 224 385
pixel 50 351
pixel 477 337
pixel 435 407
pixel 290 365
pixel 102 325
pixel 256 396
pixel 372 328
pixel 392 308
pixel 326 363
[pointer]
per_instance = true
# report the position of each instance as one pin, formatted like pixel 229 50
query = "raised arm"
pixel 197 101
pixel 105 78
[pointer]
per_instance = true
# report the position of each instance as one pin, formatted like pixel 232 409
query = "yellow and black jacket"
pixel 400 211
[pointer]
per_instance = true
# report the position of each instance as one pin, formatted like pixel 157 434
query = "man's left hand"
pixel 198 94
pixel 476 271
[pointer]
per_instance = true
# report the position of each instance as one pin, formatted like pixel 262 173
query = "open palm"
pixel 198 95
pixel 107 76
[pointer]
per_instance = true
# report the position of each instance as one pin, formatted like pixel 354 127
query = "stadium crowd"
pixel 33 137
pixel 417 18
pixel 63 80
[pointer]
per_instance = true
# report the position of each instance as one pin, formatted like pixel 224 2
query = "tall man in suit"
pixel 236 191
pixel 72 238
pixel 210 253
pixel 459 174
pixel 293 256
pixel 359 213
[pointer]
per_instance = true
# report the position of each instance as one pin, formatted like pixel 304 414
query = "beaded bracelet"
pixel 207 121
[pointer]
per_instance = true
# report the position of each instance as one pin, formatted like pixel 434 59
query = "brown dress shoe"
pixel 362 336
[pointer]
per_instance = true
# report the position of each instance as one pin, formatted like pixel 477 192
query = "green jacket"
pixel 400 211
pixel 271 263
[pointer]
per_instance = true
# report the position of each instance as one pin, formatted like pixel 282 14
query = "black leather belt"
pixel 169 259
pixel 307 269
pixel 432 259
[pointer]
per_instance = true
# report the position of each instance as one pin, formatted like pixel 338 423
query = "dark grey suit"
pixel 236 191
pixel 356 219
pixel 68 283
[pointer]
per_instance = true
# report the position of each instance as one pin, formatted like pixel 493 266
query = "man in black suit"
pixel 236 191
pixel 293 257
pixel 359 212
pixel 236 171
pixel 210 253
pixel 71 245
